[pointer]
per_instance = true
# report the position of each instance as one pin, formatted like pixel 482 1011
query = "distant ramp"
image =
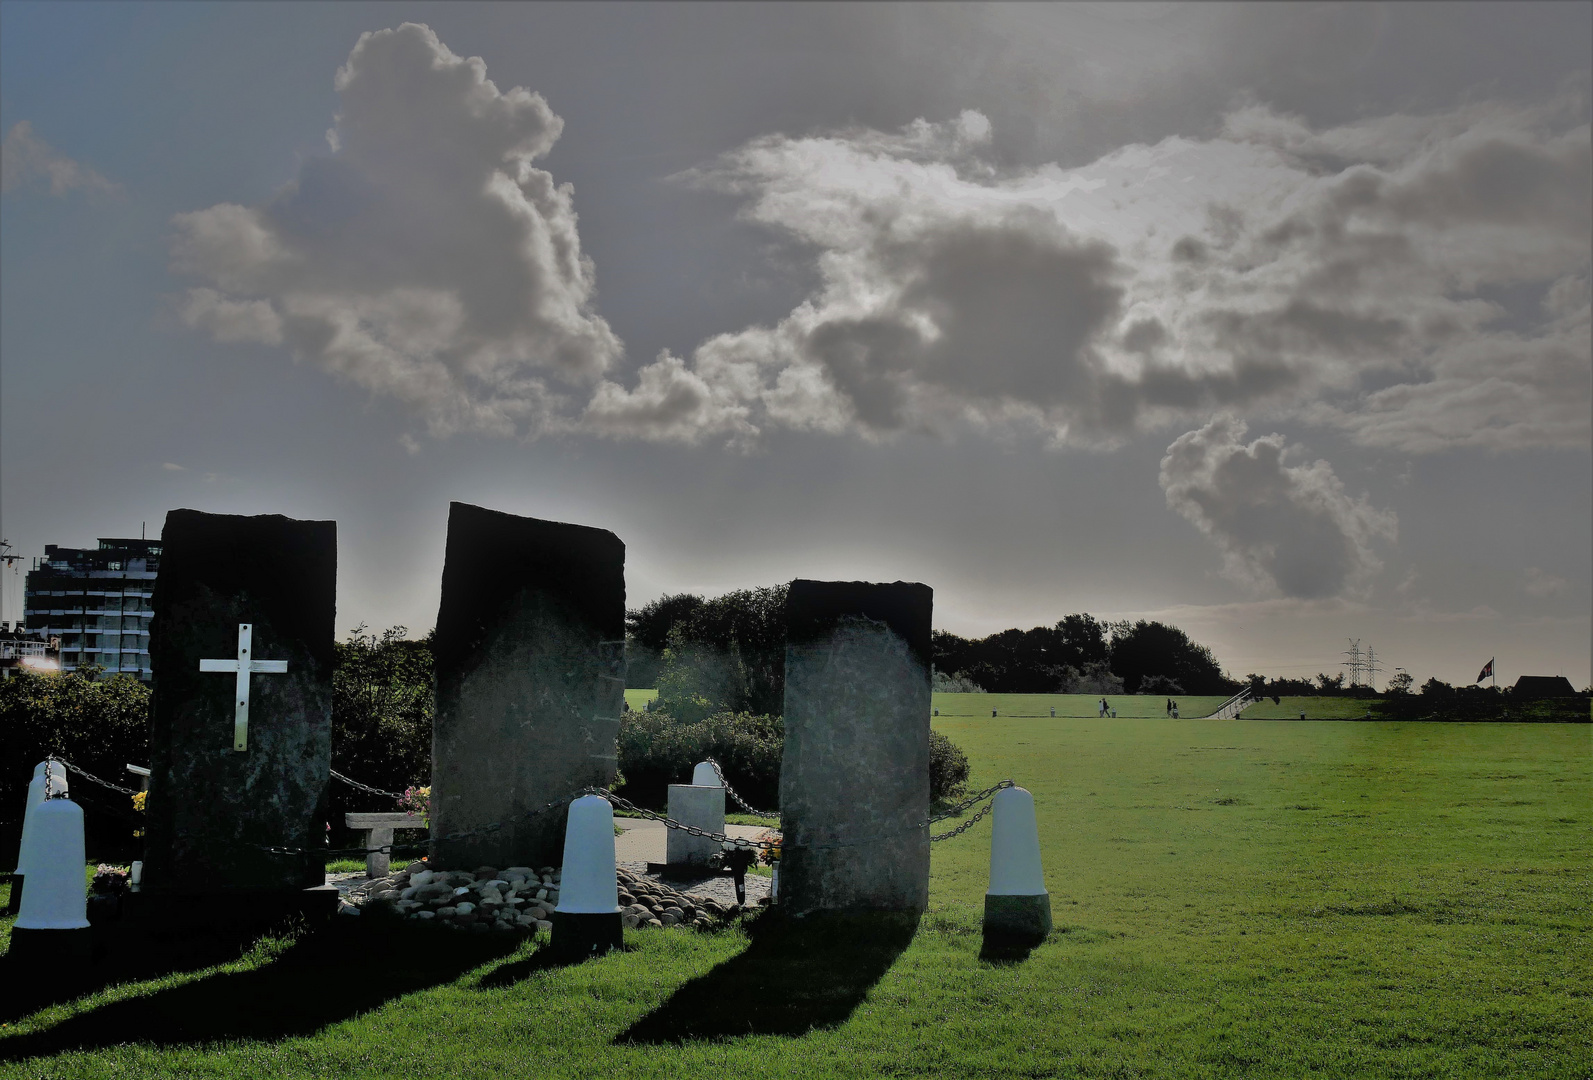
pixel 1230 709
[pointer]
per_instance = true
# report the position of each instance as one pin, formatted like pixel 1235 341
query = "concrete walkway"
pixel 643 840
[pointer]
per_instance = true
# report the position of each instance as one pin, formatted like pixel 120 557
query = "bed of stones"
pixel 521 899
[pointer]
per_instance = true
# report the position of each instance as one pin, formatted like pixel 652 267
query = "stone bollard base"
pixel 51 947
pixel 578 936
pixel 1018 919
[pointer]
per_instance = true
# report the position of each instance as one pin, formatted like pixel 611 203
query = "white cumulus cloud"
pixel 426 259
pixel 1340 276
pixel 1289 529
pixel 27 160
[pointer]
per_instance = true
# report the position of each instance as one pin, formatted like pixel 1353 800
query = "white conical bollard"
pixel 35 797
pixel 1017 906
pixel 587 920
pixel 54 919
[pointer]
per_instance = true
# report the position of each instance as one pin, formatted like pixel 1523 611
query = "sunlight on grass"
pixel 1332 899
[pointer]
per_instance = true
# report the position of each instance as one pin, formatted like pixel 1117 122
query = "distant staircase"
pixel 1230 709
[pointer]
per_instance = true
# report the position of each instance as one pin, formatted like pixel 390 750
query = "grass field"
pixel 1314 708
pixel 1066 705
pixel 1233 899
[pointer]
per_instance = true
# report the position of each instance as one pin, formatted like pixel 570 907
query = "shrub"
pixel 100 725
pixel 657 749
pixel 941 683
pixel 1095 678
pixel 948 768
pixel 381 721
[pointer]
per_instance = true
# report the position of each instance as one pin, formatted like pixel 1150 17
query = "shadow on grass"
pixel 796 975
pixel 315 980
pixel 1002 952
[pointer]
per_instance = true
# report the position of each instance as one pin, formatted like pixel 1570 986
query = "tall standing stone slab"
pixel 854 779
pixel 530 681
pixel 211 807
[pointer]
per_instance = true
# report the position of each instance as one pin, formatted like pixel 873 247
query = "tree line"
pixel 737 644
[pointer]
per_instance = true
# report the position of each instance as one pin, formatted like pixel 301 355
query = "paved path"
pixel 644 840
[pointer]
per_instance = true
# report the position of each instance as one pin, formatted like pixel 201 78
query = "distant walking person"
pixel 1169 706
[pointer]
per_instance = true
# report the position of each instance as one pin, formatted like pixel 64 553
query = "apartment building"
pixel 97 602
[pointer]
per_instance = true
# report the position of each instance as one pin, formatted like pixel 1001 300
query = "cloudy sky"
pixel 1272 322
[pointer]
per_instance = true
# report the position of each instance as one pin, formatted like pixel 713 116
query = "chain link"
pixel 394 795
pixel 736 795
pixel 84 774
pixel 671 823
pixel 389 849
pixel 969 802
pixel 965 826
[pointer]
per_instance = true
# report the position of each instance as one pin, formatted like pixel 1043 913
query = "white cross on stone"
pixel 244 666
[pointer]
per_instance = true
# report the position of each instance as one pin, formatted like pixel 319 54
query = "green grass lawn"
pixel 1127 705
pixel 1314 708
pixel 1232 899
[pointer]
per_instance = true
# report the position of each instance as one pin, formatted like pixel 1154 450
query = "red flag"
pixel 1485 672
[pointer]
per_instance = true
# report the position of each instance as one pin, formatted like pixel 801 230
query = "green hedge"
pixel 656 750
pixel 101 725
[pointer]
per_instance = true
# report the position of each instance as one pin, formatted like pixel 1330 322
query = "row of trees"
pixel 733 647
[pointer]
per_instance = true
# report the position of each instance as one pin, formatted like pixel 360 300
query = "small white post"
pixel 53 923
pixel 35 799
pixel 1017 906
pixel 28 852
pixel 587 921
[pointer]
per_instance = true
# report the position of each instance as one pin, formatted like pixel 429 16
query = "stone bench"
pixel 377 830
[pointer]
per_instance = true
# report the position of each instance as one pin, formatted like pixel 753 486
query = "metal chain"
pixel 388 849
pixel 736 795
pixel 85 775
pixel 965 826
pixel 970 801
pixel 49 780
pixel 396 796
pixel 671 823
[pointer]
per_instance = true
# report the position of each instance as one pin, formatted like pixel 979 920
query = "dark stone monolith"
pixel 854 779
pixel 530 682
pixel 213 809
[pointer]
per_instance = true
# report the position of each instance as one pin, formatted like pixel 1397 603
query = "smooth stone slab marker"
pixel 211 807
pixel 53 925
pixel 588 921
pixel 1017 905
pixel 854 778
pixel 700 803
pixel 530 661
